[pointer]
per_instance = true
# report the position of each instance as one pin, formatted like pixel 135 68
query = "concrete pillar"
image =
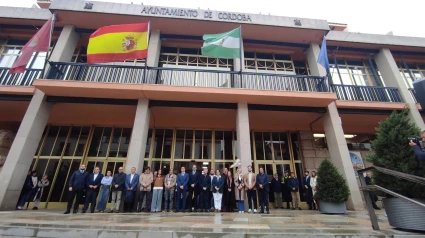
pixel 136 151
pixel 312 56
pixel 340 156
pixel 243 136
pixel 21 154
pixel 65 46
pixel 392 78
pixel 154 49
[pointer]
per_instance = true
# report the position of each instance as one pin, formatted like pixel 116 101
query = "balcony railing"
pixel 413 94
pixel 367 93
pixel 23 79
pixel 185 77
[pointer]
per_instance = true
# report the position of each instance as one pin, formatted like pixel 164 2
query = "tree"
pixel 331 186
pixel 392 151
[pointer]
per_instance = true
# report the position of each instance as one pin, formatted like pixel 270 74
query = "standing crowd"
pixel 190 191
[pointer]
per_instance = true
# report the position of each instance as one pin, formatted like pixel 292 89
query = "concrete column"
pixel 136 151
pixel 65 46
pixel 243 136
pixel 392 78
pixel 154 49
pixel 340 156
pixel 21 154
pixel 312 56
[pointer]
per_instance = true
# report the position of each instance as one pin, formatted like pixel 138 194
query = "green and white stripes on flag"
pixel 223 45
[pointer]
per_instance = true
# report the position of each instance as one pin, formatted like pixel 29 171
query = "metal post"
pixel 369 207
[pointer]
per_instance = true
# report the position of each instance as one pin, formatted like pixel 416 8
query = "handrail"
pixel 187 69
pixel 216 77
pixel 412 178
pixel 366 188
pixel 376 187
pixel 362 86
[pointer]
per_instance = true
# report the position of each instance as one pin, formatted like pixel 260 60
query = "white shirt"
pixel 131 177
pixel 34 181
pixel 95 176
pixel 249 178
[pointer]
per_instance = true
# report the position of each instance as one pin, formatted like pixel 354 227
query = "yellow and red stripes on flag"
pixel 118 43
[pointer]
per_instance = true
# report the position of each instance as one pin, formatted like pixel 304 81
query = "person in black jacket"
pixel 205 187
pixel 229 200
pixel 294 185
pixel 193 188
pixel 76 187
pixel 118 187
pixel 286 190
pixel 308 191
pixel 30 186
pixel 277 191
pixel 93 183
pixel 372 196
pixel 419 152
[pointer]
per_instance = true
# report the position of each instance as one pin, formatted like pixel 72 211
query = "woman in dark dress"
pixel 229 193
pixel 286 191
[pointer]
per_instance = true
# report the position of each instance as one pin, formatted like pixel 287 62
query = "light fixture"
pixel 348 136
pixel 205 163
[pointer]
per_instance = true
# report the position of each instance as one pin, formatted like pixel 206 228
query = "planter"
pixel 405 215
pixel 332 208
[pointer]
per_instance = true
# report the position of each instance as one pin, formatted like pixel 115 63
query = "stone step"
pixel 46 232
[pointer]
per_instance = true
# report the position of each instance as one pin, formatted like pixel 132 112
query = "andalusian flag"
pixel 224 45
pixel 118 43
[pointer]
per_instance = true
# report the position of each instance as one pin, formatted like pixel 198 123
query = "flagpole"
pixel 241 52
pixel 49 52
pixel 147 52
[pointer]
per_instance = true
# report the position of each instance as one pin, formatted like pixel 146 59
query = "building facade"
pixel 272 109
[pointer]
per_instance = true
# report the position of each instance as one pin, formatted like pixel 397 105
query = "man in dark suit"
pixel 131 182
pixel 294 185
pixel 193 188
pixel 76 184
pixel 308 191
pixel 92 189
pixel 182 184
pixel 263 190
pixel 118 188
pixel 205 187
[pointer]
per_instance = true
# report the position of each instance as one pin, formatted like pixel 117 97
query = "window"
pixel 10 51
pixel 354 72
pixel 269 62
pixel 417 71
pixel 190 58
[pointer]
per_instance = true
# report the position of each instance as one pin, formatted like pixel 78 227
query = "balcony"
pixel 24 79
pixel 366 93
pixel 185 77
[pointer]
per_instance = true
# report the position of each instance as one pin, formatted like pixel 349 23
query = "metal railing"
pixel 22 79
pixel 366 188
pixel 367 93
pixel 413 94
pixel 185 77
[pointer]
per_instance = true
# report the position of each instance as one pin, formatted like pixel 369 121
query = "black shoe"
pixel 67 212
pixel 268 212
pixel 293 208
pixel 83 212
pixel 75 211
pixel 176 211
pixel 300 208
pixel 35 208
pixel 261 211
pixel 288 208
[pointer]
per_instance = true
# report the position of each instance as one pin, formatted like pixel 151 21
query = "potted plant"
pixel 391 150
pixel 332 190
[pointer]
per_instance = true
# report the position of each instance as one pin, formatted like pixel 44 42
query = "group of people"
pixel 194 191
pixel 287 189
pixel 33 187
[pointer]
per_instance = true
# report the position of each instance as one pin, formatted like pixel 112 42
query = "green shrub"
pixel 331 185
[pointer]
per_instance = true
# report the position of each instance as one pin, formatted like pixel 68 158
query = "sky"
pixel 403 18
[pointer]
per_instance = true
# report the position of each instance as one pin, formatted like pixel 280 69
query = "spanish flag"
pixel 118 43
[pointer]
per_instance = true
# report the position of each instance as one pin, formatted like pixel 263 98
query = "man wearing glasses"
pixel 118 186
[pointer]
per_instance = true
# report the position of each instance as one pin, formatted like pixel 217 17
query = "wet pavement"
pixel 279 222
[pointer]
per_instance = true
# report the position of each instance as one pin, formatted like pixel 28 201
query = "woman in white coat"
pixel 313 184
